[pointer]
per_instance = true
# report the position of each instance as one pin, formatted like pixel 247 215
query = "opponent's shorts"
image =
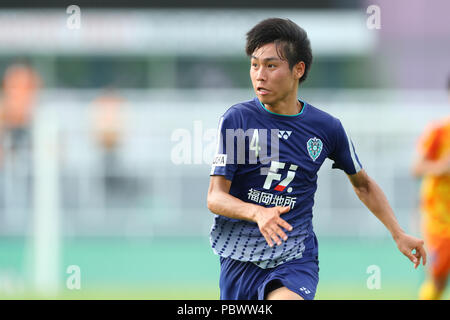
pixel 439 254
pixel 246 281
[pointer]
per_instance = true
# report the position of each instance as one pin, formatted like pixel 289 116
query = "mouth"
pixel 262 90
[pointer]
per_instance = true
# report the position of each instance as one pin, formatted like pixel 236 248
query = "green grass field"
pixel 186 268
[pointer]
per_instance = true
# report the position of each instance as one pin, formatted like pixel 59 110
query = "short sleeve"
pixel 224 161
pixel 344 153
pixel 429 141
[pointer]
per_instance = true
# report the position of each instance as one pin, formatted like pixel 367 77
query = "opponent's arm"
pixel 373 197
pixel 423 166
pixel 268 219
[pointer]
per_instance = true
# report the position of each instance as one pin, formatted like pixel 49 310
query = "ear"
pixel 299 70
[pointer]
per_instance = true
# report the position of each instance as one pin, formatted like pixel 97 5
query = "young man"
pixel 433 164
pixel 263 203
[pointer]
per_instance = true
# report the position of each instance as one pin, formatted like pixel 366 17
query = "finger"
pixel 284 224
pixel 420 253
pixel 410 256
pixel 275 238
pixel 420 250
pixel 267 237
pixel 423 254
pixel 284 209
pixel 417 256
pixel 280 233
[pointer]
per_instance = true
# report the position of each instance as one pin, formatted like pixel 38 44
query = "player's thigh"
pixel 283 293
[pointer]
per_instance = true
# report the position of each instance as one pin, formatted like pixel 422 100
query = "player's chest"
pixel 296 145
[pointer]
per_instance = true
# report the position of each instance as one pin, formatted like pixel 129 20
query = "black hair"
pixel 291 41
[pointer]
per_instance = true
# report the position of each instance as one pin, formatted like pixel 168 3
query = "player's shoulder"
pixel 442 124
pixel 436 126
pixel 240 110
pixel 244 106
pixel 322 117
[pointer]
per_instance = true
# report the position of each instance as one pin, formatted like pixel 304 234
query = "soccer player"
pixel 433 164
pixel 21 84
pixel 263 202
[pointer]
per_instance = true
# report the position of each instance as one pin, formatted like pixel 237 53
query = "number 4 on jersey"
pixel 254 144
pixel 274 175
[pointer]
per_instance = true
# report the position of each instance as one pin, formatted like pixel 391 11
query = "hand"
pixel 269 223
pixel 406 244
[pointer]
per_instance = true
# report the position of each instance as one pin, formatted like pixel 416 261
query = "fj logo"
pixel 274 175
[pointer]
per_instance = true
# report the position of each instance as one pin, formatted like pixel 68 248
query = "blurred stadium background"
pixel 109 173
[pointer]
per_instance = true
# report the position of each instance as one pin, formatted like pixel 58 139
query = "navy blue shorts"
pixel 246 281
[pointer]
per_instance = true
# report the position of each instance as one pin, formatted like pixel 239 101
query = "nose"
pixel 261 74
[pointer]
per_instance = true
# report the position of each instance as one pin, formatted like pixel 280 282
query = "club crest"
pixel 314 147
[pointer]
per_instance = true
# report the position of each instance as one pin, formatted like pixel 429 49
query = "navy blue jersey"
pixel 273 160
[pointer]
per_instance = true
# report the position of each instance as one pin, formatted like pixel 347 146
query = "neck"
pixel 290 106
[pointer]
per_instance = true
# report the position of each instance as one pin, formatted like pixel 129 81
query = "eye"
pixel 271 66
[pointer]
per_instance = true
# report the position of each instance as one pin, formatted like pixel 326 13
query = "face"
pixel 271 77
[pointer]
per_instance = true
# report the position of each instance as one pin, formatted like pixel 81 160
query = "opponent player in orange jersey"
pixel 108 119
pixel 433 164
pixel 20 86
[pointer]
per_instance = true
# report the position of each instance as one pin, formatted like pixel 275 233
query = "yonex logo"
pixel 305 290
pixel 284 134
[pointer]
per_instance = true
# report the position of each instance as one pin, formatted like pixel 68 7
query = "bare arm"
pixel 423 166
pixel 373 197
pixel 268 219
pixel 221 202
